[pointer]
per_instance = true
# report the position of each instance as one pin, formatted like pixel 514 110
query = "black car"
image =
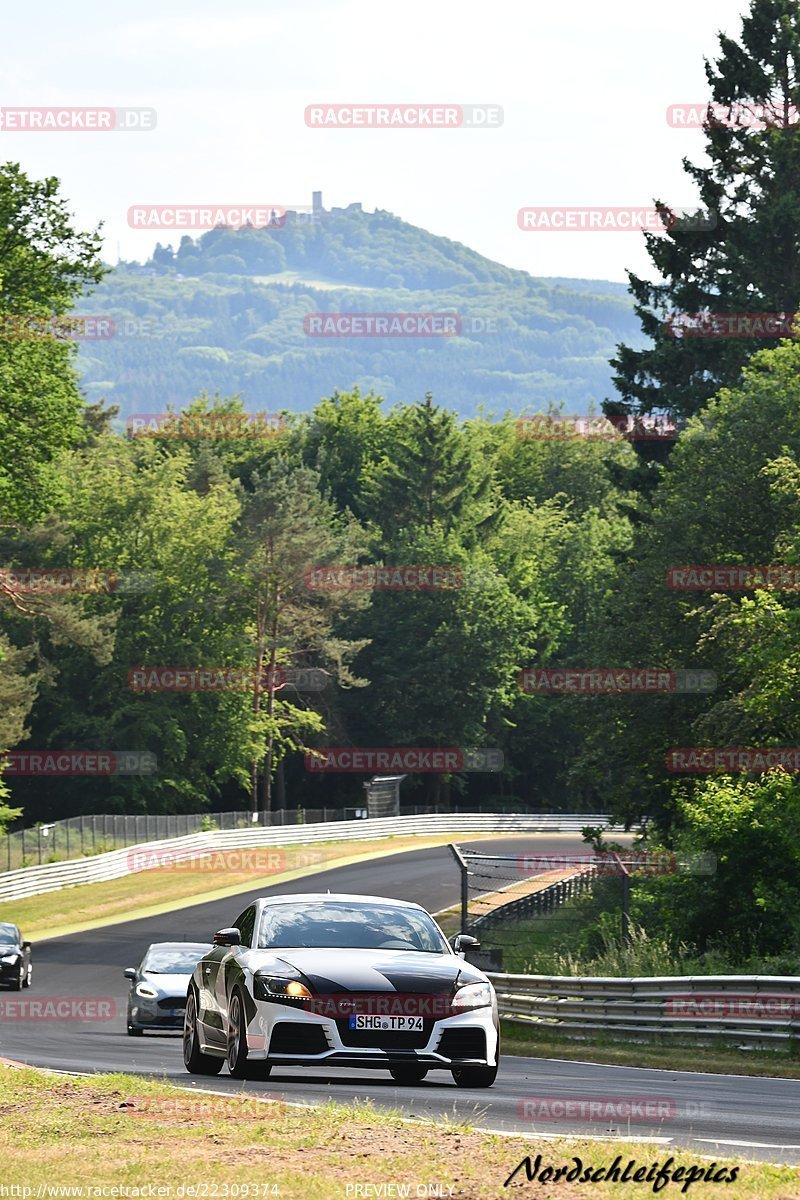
pixel 157 997
pixel 16 968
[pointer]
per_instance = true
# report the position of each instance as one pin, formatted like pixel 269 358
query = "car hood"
pixel 370 970
pixel 167 984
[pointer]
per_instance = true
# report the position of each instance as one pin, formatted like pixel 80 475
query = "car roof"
pixel 337 897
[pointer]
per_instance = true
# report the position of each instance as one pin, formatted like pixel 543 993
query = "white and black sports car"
pixel 355 981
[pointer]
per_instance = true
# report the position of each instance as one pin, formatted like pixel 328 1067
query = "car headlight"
pixel 146 990
pixel 9 958
pixel 472 995
pixel 277 988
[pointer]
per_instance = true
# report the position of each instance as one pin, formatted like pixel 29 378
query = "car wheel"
pixel 239 1065
pixel 237 1038
pixel 474 1077
pixel 28 976
pixel 406 1076
pixel 194 1060
pixel 16 984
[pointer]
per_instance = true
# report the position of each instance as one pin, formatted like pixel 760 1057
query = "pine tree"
pixel 430 477
pixel 750 261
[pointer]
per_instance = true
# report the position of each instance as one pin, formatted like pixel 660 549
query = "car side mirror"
pixel 26 945
pixel 465 941
pixel 227 937
pixel 130 972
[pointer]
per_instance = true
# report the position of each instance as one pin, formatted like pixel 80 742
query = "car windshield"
pixel 8 934
pixel 349 926
pixel 172 962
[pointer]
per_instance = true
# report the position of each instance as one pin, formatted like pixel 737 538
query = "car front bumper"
pixel 471 1037
pixel 167 1015
pixel 10 972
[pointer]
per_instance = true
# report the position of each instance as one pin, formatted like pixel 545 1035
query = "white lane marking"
pixel 752 1145
pixel 663 1070
pixel 535 1136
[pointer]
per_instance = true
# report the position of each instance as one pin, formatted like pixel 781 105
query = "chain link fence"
pixel 528 909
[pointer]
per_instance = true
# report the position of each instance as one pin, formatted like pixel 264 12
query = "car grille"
pixel 173 1002
pixel 298 1037
pixel 463 1043
pixel 385 1039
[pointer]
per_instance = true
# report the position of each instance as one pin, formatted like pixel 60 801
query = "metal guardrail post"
pixel 462 866
pixel 626 902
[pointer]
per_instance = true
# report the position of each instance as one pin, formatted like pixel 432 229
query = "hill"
pixel 227 312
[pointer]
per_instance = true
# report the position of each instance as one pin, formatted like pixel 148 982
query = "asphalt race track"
pixel 713 1114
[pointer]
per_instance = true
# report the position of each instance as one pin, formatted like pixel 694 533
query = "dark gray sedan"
pixel 157 998
pixel 16 969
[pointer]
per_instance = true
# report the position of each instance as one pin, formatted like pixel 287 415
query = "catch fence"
pixel 530 907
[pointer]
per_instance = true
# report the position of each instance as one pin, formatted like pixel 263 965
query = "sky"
pixel 584 88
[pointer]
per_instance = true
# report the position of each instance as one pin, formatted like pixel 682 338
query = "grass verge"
pixel 669 1056
pixel 127 1132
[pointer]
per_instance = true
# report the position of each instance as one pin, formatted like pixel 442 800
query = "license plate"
pixel 367 1021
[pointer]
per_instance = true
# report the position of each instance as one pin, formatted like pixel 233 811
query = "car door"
pixel 230 971
pixel 214 992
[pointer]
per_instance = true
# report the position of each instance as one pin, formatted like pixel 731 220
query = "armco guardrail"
pixel 50 877
pixel 741 1008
